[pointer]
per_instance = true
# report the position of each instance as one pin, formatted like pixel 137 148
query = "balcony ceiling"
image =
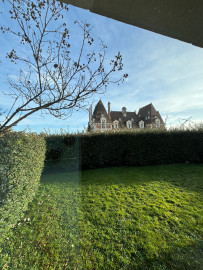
pixel 179 19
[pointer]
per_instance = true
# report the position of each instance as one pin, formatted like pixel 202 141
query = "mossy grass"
pixel 113 218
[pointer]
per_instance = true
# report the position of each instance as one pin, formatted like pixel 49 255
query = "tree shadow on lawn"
pixel 187 176
pixel 189 257
pixel 181 258
pixel 54 219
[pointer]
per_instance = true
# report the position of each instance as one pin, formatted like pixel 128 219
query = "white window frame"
pixel 103 121
pixel 141 124
pixel 115 124
pixel 158 124
pixel 129 124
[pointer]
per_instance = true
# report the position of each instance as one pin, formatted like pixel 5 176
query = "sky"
pixel 162 70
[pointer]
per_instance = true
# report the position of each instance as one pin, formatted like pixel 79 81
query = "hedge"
pixel 63 152
pixel 21 163
pixel 96 150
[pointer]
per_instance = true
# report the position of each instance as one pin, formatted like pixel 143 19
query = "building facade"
pixel 101 120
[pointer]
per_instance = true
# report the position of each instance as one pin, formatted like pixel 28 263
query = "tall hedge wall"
pixel 125 149
pixel 21 164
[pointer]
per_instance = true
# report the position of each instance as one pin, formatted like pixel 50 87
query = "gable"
pixel 99 111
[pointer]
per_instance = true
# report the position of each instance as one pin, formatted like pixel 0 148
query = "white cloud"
pixel 164 71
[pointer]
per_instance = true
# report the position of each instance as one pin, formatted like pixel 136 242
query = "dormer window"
pixel 148 112
pixel 157 123
pixel 115 124
pixel 141 124
pixel 129 124
pixel 102 115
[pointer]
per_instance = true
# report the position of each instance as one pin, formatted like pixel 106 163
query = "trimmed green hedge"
pixel 124 149
pixel 21 163
pixel 63 152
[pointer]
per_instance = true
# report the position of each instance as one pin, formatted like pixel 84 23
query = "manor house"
pixel 101 120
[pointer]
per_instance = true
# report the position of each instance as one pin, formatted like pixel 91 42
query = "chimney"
pixel 90 114
pixel 109 109
pixel 124 111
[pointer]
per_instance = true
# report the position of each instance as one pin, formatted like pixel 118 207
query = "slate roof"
pixel 115 115
pixel 147 110
pixel 143 112
pixel 99 109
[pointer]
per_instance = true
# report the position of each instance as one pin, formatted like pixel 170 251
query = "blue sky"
pixel 162 70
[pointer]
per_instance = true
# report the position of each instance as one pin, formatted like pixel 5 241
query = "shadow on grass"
pixel 184 258
pixel 188 258
pixel 109 215
pixel 187 176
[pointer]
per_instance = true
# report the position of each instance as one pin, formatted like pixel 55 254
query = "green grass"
pixel 114 218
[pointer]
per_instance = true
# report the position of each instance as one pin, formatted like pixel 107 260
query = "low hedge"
pixel 124 149
pixel 21 163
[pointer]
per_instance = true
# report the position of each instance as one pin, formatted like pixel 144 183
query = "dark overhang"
pixel 179 19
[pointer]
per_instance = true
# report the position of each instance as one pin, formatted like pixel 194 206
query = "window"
pixel 141 124
pixel 132 119
pixel 148 112
pixel 103 123
pixel 119 119
pixel 145 117
pixel 115 124
pixel 102 115
pixel 157 123
pixel 129 124
pixel 148 116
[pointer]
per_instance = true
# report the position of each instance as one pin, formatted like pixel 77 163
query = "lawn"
pixel 113 218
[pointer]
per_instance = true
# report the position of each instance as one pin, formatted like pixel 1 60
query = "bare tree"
pixel 183 122
pixel 51 81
